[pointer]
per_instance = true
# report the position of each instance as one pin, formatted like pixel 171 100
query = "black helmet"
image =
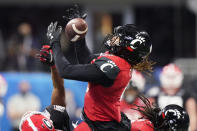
pixel 129 42
pixel 175 118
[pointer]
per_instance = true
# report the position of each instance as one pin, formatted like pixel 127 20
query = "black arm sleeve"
pixel 81 72
pixel 83 53
pixel 78 52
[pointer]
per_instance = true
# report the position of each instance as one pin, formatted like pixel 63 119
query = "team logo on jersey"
pixel 47 123
pixel 109 64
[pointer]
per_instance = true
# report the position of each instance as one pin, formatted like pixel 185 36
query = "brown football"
pixel 76 29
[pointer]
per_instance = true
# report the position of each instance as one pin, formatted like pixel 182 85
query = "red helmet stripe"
pixel 130 49
pixel 163 115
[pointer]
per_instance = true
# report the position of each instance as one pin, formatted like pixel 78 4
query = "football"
pixel 76 29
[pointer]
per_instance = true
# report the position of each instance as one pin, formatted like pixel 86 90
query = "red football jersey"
pixel 103 103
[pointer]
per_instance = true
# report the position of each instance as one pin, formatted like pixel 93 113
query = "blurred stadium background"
pixel 172 25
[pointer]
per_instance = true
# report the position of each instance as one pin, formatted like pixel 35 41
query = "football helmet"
pixel 175 118
pixel 171 76
pixel 35 121
pixel 129 43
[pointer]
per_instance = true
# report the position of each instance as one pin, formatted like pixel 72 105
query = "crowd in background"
pixel 20 50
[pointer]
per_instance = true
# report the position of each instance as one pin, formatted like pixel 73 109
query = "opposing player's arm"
pixel 58 94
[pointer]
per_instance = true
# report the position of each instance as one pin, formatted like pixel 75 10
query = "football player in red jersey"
pixel 54 117
pixel 107 74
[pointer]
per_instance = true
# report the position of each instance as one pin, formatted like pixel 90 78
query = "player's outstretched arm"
pixel 78 52
pixel 79 47
pixel 83 53
pixel 82 72
pixel 58 94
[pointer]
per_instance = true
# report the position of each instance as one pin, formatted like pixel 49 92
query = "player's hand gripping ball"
pixel 76 29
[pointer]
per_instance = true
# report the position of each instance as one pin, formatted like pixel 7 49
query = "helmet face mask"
pixel 111 43
pixel 130 43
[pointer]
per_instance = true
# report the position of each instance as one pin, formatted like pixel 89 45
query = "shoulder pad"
pixel 108 67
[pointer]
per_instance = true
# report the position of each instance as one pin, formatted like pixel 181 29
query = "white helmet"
pixel 171 76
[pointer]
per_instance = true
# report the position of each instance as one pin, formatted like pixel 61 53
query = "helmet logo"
pixel 139 39
pixel 175 113
pixel 47 123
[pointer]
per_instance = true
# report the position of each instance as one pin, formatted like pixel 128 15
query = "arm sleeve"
pixel 82 72
pixel 78 52
pixel 83 53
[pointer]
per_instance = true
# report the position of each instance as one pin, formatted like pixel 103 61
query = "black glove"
pixel 73 12
pixel 54 33
pixel 46 55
